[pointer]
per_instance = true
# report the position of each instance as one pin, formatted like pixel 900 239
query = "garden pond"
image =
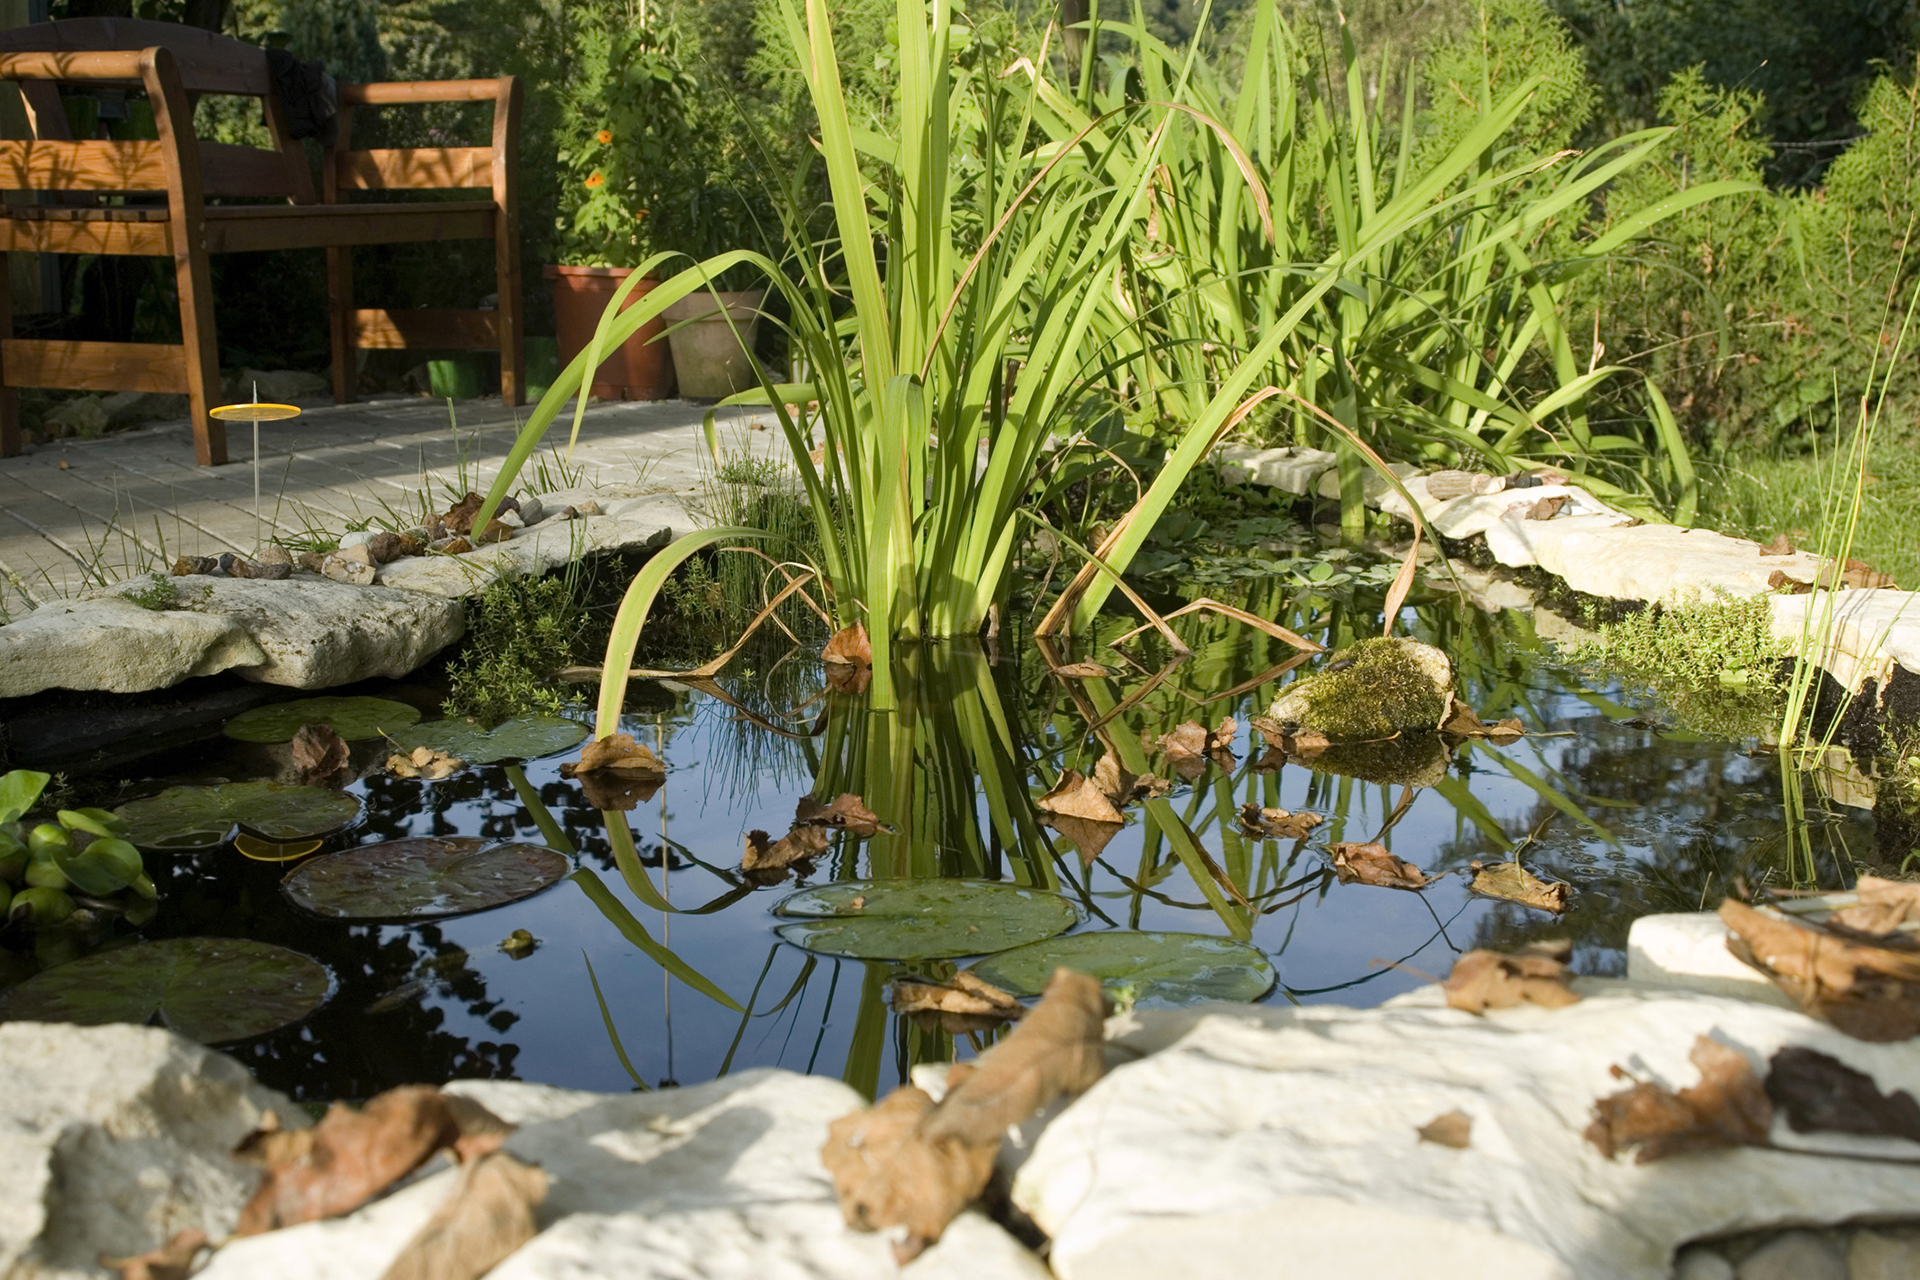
pixel 642 954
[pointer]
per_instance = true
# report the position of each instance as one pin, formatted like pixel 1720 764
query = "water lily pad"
pixel 200 817
pixel 524 738
pixel 922 919
pixel 421 877
pixel 208 989
pixel 1157 968
pixel 351 718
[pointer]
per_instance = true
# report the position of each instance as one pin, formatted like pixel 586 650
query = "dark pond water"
pixel 1638 816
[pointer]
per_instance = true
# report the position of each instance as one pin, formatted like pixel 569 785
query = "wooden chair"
pixel 152 198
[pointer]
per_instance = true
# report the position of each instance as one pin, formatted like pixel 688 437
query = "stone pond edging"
pixel 305 631
pixel 1225 1140
pixel 1864 639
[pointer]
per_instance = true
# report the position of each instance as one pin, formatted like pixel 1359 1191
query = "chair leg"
pixel 10 440
pixel 506 272
pixel 201 354
pixel 340 323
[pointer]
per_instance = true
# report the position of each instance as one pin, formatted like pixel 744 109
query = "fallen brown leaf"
pixel 1883 907
pixel 1089 835
pixel 797 845
pixel 459 517
pixel 1547 508
pixel 910 1164
pixel 1534 974
pixel 1866 991
pixel 350 1156
pixel 1818 1093
pixel 1855 574
pixel 1463 722
pixel 1277 824
pixel 1781 545
pixel 1453 1129
pixel 1728 1108
pixel 1779 580
pixel 171 1261
pixel 1269 728
pixel 1190 744
pixel 615 751
pixel 1515 883
pixel 1081 671
pixel 849 647
pixel 424 762
pixel 319 756
pixel 963 993
pixel 1114 780
pixel 847 812
pixel 488 1215
pixel 1370 863
pixel 1078 796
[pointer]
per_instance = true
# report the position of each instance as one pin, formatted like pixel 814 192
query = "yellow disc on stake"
pixel 251 412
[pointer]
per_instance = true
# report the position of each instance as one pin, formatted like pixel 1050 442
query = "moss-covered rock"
pixel 1373 689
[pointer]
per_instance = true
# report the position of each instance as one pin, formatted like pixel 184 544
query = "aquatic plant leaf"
pixel 1534 974
pixel 1728 1108
pixel 353 1154
pixel 1868 992
pixel 1515 883
pixel 319 756
pixel 633 931
pixel 1882 907
pixel 921 919
pixel 964 993
pixel 1369 863
pixel 488 1215
pixel 19 788
pixel 1077 796
pixel 424 763
pixel 522 738
pixel 213 990
pixel 911 1164
pixel 1277 824
pixel 1452 1129
pixel 351 718
pixel 422 877
pixel 200 817
pixel 1156 969
pixel 1819 1093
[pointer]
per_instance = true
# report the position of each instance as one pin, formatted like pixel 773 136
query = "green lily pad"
pixel 421 877
pixel 208 989
pixel 200 817
pixel 921 919
pixel 525 738
pixel 1159 969
pixel 351 718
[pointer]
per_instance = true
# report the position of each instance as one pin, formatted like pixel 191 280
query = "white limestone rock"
pixel 1654 562
pixel 315 634
pixel 1689 949
pixel 1477 513
pixel 110 643
pixel 1292 469
pixel 1856 635
pixel 718 1181
pixel 1215 1154
pixel 1374 489
pixel 113 1139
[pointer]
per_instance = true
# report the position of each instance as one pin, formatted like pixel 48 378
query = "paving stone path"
pixel 76 514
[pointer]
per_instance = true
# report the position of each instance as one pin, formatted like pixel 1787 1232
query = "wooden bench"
pixel 155 198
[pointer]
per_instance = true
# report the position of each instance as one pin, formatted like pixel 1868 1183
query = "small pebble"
pixel 225 563
pixel 512 519
pixel 1797 1255
pixel 1875 1255
pixel 354 572
pixel 496 531
pixel 384 546
pixel 1698 1262
pixel 532 511
pixel 356 538
pixel 273 553
pixel 588 507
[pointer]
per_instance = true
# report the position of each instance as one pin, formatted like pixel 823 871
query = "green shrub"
pixel 520 632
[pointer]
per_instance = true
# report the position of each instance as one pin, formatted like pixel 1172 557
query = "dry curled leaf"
pixel 1369 863
pixel 1190 744
pixel 910 1164
pixel 615 751
pixel 488 1215
pixel 849 647
pixel 319 756
pixel 1089 835
pixel 424 762
pixel 1534 974
pixel 1515 883
pixel 1869 992
pixel 1728 1108
pixel 1855 574
pixel 1818 1093
pixel 1781 545
pixel 961 994
pixel 1463 722
pixel 459 517
pixel 799 844
pixel 848 812
pixel 1453 1129
pixel 171 1261
pixel 1078 796
pixel 1881 910
pixel 1547 508
pixel 1082 671
pixel 352 1156
pixel 1277 824
pixel 1115 781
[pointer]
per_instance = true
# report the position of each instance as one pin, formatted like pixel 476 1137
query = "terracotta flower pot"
pixel 707 353
pixel 639 369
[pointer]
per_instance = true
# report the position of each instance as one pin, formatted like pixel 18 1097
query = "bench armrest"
pixel 427 168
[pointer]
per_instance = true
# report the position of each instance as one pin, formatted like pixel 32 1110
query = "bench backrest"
pixel 204 62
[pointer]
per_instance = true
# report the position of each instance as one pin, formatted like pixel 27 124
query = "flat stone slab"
pixel 1250 1135
pixel 112 644
pixel 1867 633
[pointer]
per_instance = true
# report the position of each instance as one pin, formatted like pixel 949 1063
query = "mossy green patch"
pixel 1373 689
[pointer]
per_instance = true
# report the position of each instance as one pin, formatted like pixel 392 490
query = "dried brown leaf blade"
pixel 1515 883
pixel 1727 1108
pixel 1081 671
pixel 1818 1093
pixel 1369 863
pixel 1534 974
pixel 1868 992
pixel 489 1214
pixel 963 993
pixel 1882 907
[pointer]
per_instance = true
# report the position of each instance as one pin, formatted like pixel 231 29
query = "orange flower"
pixel 603 137
pixel 596 179
pixel 639 214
